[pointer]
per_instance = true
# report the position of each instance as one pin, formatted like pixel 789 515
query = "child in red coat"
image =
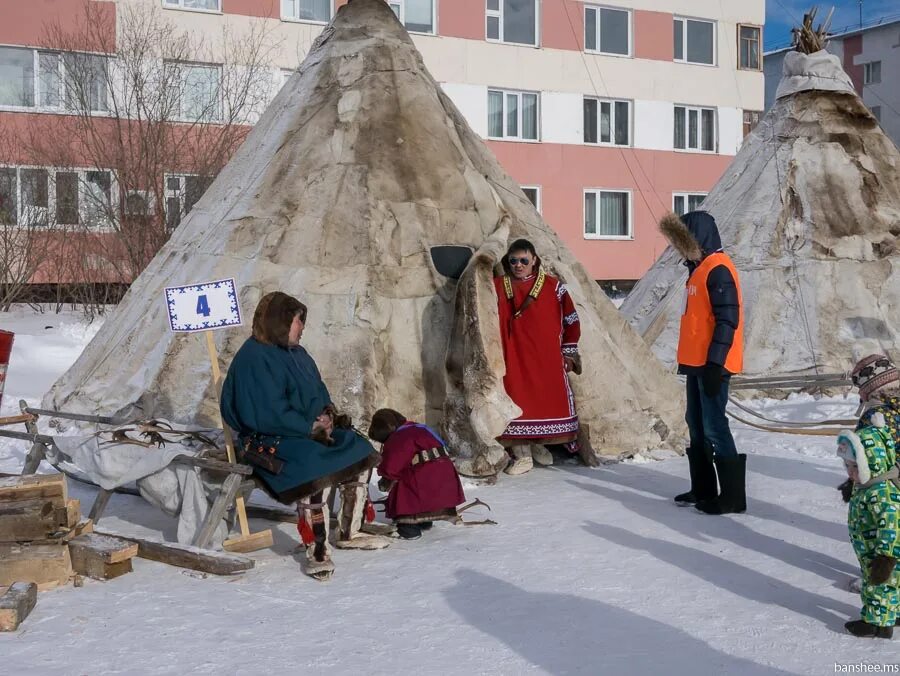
pixel 417 472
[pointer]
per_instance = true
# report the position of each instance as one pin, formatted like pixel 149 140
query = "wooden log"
pixel 101 557
pixel 16 604
pixel 205 560
pixel 47 565
pixel 34 519
pixel 27 487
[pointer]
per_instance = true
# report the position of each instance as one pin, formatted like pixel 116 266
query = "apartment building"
pixel 871 57
pixel 608 114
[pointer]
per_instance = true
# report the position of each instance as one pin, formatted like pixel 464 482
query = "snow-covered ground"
pixel 588 571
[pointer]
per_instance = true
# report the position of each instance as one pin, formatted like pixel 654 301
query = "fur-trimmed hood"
pixel 694 235
pixel 274 315
pixel 871 448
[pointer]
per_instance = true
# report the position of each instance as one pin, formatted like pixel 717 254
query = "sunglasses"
pixel 517 261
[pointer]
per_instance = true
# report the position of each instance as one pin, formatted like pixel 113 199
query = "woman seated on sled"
pixel 417 473
pixel 288 429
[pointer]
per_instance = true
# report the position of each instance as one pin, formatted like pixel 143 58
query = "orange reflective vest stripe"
pixel 698 321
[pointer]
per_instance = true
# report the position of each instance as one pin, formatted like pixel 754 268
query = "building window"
pixel 512 115
pixel 52 80
pixel 695 129
pixel 182 193
pixel 749 40
pixel 607 214
pixel 695 41
pixel 751 119
pixel 513 21
pixel 533 194
pixel 872 72
pixel 683 202
pixel 306 10
pixel 607 122
pixel 37 197
pixel 876 112
pixel 86 79
pixel 208 5
pixel 416 15
pixel 196 95
pixel 607 30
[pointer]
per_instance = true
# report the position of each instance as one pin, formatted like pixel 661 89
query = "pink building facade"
pixel 608 114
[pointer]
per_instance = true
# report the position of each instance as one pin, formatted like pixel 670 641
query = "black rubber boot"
pixel 426 525
pixel 733 498
pixel 703 478
pixel 863 629
pixel 409 531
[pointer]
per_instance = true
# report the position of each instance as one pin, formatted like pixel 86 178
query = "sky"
pixel 782 15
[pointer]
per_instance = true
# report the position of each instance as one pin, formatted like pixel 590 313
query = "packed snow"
pixel 588 571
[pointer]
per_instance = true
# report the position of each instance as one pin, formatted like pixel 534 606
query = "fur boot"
pixel 351 516
pixel 314 527
pixel 541 456
pixel 521 462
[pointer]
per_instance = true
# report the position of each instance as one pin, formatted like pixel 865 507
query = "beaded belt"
pixel 429 455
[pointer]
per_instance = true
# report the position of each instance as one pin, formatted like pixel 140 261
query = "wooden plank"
pixel 73 513
pixel 205 560
pixel 44 564
pixel 16 604
pixel 106 548
pixel 217 512
pixel 84 563
pixel 213 465
pixel 16 419
pixel 34 519
pixel 102 557
pixel 26 487
pixel 249 543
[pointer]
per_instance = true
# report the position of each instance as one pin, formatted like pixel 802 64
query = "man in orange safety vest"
pixel 710 351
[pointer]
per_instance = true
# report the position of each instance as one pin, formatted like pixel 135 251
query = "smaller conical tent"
pixel 809 211
pixel 356 172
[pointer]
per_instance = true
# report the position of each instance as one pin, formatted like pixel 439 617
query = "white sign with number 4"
pixel 203 307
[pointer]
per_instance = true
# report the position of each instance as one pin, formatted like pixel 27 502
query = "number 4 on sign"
pixel 203 306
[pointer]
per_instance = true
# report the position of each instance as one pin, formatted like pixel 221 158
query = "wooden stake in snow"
pixel 204 308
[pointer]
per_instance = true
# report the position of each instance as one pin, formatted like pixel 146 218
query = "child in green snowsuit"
pixel 870 458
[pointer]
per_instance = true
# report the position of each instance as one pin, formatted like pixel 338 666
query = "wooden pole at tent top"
pixel 247 541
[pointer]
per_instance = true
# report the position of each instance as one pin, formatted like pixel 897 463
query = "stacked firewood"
pixel 44 543
pixel 809 40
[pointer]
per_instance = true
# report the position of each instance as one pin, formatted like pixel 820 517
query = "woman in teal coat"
pixel 288 429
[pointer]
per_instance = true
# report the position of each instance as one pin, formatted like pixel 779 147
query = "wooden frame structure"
pixel 235 481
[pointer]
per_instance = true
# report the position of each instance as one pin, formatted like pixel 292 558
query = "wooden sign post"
pixel 205 308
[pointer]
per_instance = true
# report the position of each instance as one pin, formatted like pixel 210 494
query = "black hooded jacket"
pixel 722 287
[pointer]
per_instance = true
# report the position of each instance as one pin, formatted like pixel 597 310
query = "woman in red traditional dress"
pixel 539 328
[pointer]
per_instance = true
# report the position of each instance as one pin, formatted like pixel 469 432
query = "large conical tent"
pixel 809 211
pixel 360 167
